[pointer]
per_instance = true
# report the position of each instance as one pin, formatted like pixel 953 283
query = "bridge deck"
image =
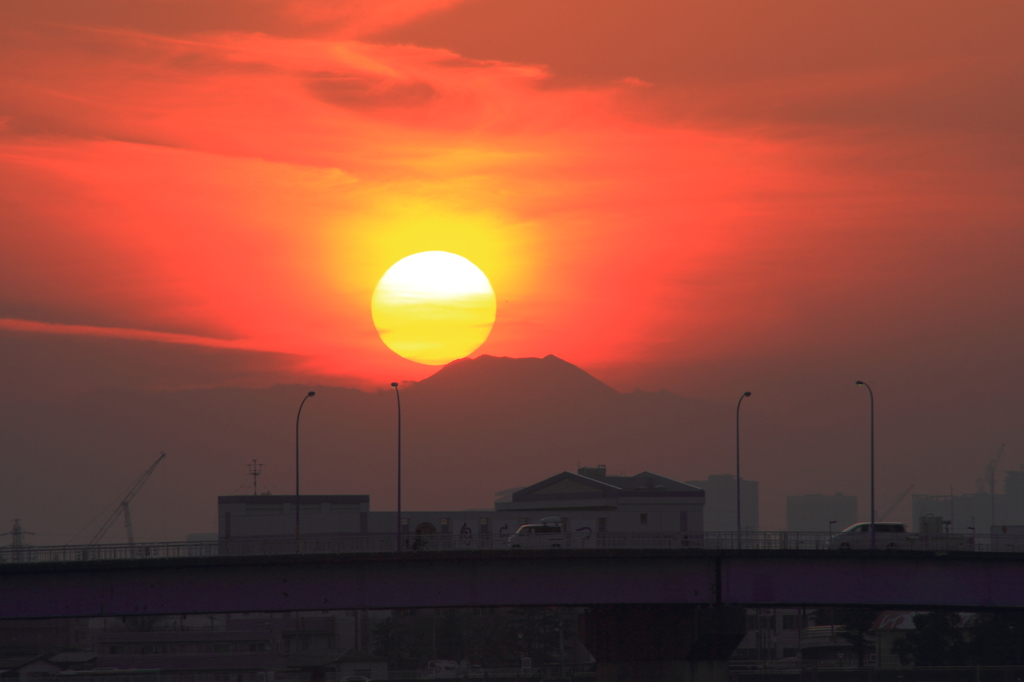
pixel 471 579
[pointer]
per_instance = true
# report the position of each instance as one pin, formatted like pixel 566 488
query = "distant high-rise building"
pixel 720 503
pixel 812 513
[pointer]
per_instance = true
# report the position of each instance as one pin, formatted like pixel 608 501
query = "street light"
pixel 298 537
pixel 830 524
pixel 739 528
pixel 398 532
pixel 871 396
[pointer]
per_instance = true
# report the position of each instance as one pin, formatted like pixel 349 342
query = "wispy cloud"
pixel 33 327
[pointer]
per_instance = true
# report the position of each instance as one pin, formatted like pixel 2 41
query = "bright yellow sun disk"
pixel 433 307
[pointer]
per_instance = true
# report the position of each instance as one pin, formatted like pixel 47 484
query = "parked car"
pixel 548 534
pixel 887 536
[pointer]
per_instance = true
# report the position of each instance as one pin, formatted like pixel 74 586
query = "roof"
pixel 904 620
pixel 570 486
pixel 303 499
pixel 73 657
pixel 9 663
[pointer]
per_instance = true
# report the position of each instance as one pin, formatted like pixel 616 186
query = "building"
pixel 820 513
pixel 772 635
pixel 273 516
pixel 720 503
pixel 588 503
pixel 979 512
pixel 244 645
pixel 591 499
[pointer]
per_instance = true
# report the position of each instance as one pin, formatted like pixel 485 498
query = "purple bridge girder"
pixel 469 579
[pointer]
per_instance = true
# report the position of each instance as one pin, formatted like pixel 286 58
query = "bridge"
pixel 296 582
pixel 669 614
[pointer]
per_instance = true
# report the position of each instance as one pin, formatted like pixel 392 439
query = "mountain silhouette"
pixel 475 427
pixel 550 376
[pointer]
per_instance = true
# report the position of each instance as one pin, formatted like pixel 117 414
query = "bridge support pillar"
pixel 663 642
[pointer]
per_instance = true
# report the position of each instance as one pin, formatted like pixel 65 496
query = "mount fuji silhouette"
pixel 475 427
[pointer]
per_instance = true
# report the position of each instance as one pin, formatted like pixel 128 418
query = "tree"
pixel 854 626
pixel 937 640
pixel 997 639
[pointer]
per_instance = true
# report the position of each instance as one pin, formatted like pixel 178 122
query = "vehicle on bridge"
pixel 887 536
pixel 548 534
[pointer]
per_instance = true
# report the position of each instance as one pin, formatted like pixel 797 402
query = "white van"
pixel 858 536
pixel 548 534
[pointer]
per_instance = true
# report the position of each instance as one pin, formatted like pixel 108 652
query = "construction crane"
pixel 123 508
pixel 895 504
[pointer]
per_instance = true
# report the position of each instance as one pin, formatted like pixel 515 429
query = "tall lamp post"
pixel 739 527
pixel 871 396
pixel 298 536
pixel 398 530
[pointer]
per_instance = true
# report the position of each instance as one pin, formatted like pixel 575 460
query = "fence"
pixel 345 544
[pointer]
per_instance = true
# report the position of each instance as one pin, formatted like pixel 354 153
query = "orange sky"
pixel 694 196
pixel 639 185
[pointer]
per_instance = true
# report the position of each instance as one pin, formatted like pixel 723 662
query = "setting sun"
pixel 433 307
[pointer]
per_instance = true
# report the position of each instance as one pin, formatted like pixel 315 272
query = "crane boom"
pixel 895 504
pixel 122 507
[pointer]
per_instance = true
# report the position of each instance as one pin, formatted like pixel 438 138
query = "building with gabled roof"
pixel 644 502
pixel 587 503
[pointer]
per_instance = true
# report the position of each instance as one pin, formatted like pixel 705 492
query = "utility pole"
pixel 17 535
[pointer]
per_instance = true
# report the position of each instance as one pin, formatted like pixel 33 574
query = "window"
pixel 446 526
pixel 117 648
pixel 485 524
pixel 643 519
pixel 221 647
pixel 791 622
pixel 266 509
pixel 257 646
pixel 789 653
pixel 405 524
pixel 523 520
pixel 602 525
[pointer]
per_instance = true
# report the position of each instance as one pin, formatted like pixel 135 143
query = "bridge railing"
pixel 386 542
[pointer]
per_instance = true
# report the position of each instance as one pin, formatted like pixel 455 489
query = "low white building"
pixel 588 503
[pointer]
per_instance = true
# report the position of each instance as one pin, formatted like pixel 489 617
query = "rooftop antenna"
pixel 255 469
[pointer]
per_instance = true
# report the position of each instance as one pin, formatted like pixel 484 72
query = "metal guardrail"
pixel 385 542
